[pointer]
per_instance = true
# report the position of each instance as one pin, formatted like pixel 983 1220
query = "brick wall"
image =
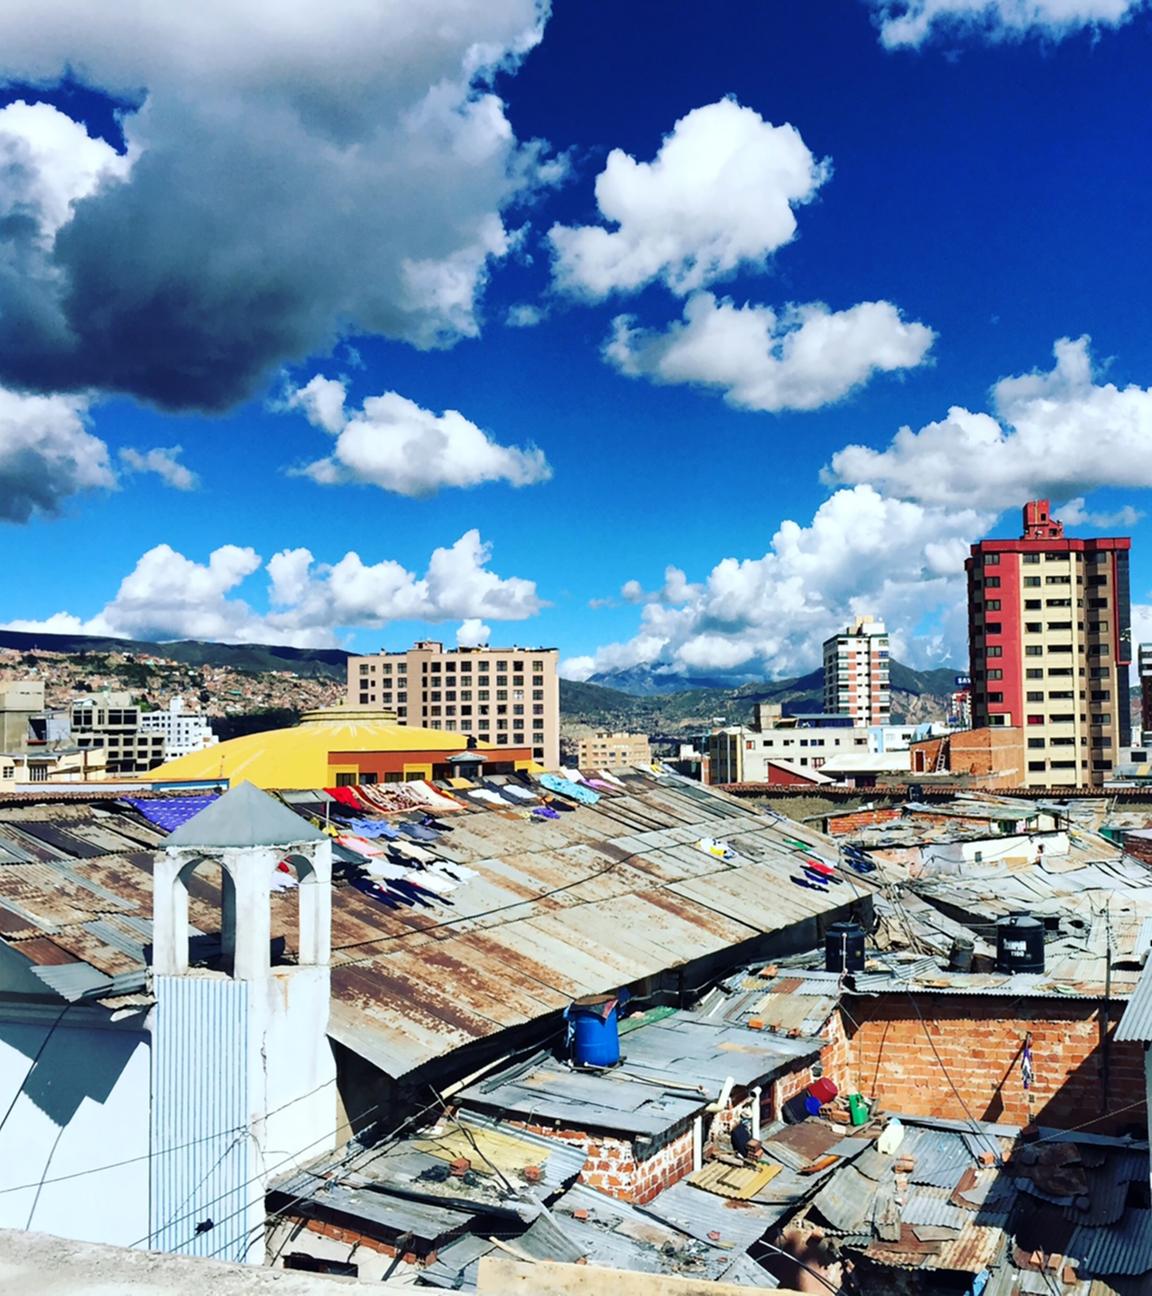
pixel 887 1054
pixel 614 1166
pixel 839 825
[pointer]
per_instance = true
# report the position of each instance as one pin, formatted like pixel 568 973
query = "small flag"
pixel 1027 1075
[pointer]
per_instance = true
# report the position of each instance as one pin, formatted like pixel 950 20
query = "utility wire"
pixel 176 1147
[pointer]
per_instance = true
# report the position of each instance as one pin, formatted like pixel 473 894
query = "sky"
pixel 672 335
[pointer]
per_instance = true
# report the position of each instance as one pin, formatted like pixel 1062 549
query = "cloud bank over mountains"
pixel 892 537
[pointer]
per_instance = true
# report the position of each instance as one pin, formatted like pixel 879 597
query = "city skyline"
pixel 878 261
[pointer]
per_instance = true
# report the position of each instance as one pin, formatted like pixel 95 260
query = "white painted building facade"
pixel 162 1125
pixel 183 731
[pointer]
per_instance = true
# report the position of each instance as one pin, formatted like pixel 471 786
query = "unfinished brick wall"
pixel 614 1167
pixel 844 824
pixel 891 1057
pixel 995 755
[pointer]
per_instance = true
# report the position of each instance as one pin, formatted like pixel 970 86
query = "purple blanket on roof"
pixel 169 812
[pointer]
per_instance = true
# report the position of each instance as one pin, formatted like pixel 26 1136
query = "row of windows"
pixel 448 667
pixel 1092 556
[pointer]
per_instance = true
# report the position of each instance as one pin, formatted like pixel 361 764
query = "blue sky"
pixel 871 214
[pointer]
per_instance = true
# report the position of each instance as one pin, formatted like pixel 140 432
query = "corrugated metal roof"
pixel 556 909
pixel 1136 1024
pixel 1121 1249
pixel 699 1213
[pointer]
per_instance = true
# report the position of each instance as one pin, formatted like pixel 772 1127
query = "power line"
pixel 176 1147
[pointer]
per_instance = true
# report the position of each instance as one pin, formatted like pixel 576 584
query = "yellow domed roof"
pixel 299 756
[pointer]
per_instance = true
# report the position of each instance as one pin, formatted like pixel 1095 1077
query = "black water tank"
pixel 1020 944
pixel 844 947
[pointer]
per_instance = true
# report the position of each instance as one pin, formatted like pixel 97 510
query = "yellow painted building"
pixel 330 748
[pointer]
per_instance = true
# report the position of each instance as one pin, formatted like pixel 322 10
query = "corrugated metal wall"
pixel 203 1158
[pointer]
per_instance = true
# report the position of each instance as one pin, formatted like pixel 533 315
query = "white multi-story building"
pixel 183 731
pixel 856 673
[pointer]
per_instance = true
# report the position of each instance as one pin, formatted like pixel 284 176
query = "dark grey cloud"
pixel 346 172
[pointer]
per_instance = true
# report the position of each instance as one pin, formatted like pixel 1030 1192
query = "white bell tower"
pixel 243 1079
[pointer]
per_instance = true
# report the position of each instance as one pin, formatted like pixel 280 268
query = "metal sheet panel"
pixel 200 1082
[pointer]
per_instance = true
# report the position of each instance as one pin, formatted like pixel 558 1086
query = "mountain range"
pixel 639 699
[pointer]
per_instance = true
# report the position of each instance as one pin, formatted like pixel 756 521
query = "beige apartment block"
pixel 856 673
pixel 111 721
pixel 1051 646
pixel 612 749
pixel 506 696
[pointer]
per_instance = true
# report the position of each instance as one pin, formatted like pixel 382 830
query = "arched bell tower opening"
pixel 240 1038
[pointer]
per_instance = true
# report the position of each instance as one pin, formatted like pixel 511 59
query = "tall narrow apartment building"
pixel 1144 666
pixel 1049 628
pixel 856 673
pixel 506 696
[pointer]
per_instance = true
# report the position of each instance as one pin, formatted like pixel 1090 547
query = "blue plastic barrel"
pixel 595 1035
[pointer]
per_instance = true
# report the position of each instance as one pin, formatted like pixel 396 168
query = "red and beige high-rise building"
pixel 1049 629
pixel 856 673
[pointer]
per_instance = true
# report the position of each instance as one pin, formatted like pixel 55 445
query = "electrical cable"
pixel 175 1147
pixel 340 1161
pixel 32 1067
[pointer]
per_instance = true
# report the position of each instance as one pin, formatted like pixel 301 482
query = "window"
pixel 1058 602
pixel 1101 695
pixel 1061 695
pixel 537 709
pixel 364 668
pixel 450 695
pixel 993 605
pixel 994 650
pixel 993 627
pixel 1034 672
pixel 501 695
pixel 1098 603
pixel 1035 719
pixel 990 559
pixel 992 582
pixel 1035 742
pixel 1063 742
pixel 1033 650
pixel 1057 580
pixel 345 780
pixel 482 696
pixel 1102 718
pixel 1064 718
pixel 501 665
pixel 1032 627
pixel 1031 582
pixel 9 772
pixel 465 667
pixel 537 679
pixel 1031 558
pixel 1098 650
pixel 999 697
pixel 1032 605
pixel 995 674
pixel 1036 765
pixel 537 665
pixel 517 681
pixel 1034 697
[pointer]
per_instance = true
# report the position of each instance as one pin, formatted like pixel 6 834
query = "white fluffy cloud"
pixel 169 271
pixel 1057 434
pixel 913 22
pixel 769 615
pixel 800 358
pixel 164 461
pixel 170 596
pixel 892 537
pixel 473 633
pixel 393 443
pixel 47 455
pixel 718 196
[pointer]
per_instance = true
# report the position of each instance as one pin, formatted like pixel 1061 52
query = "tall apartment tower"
pixel 506 696
pixel 1144 666
pixel 1049 628
pixel 856 673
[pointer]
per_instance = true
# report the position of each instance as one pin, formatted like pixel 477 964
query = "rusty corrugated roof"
pixel 552 909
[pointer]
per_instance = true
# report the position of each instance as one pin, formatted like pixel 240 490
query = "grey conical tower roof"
pixel 244 816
